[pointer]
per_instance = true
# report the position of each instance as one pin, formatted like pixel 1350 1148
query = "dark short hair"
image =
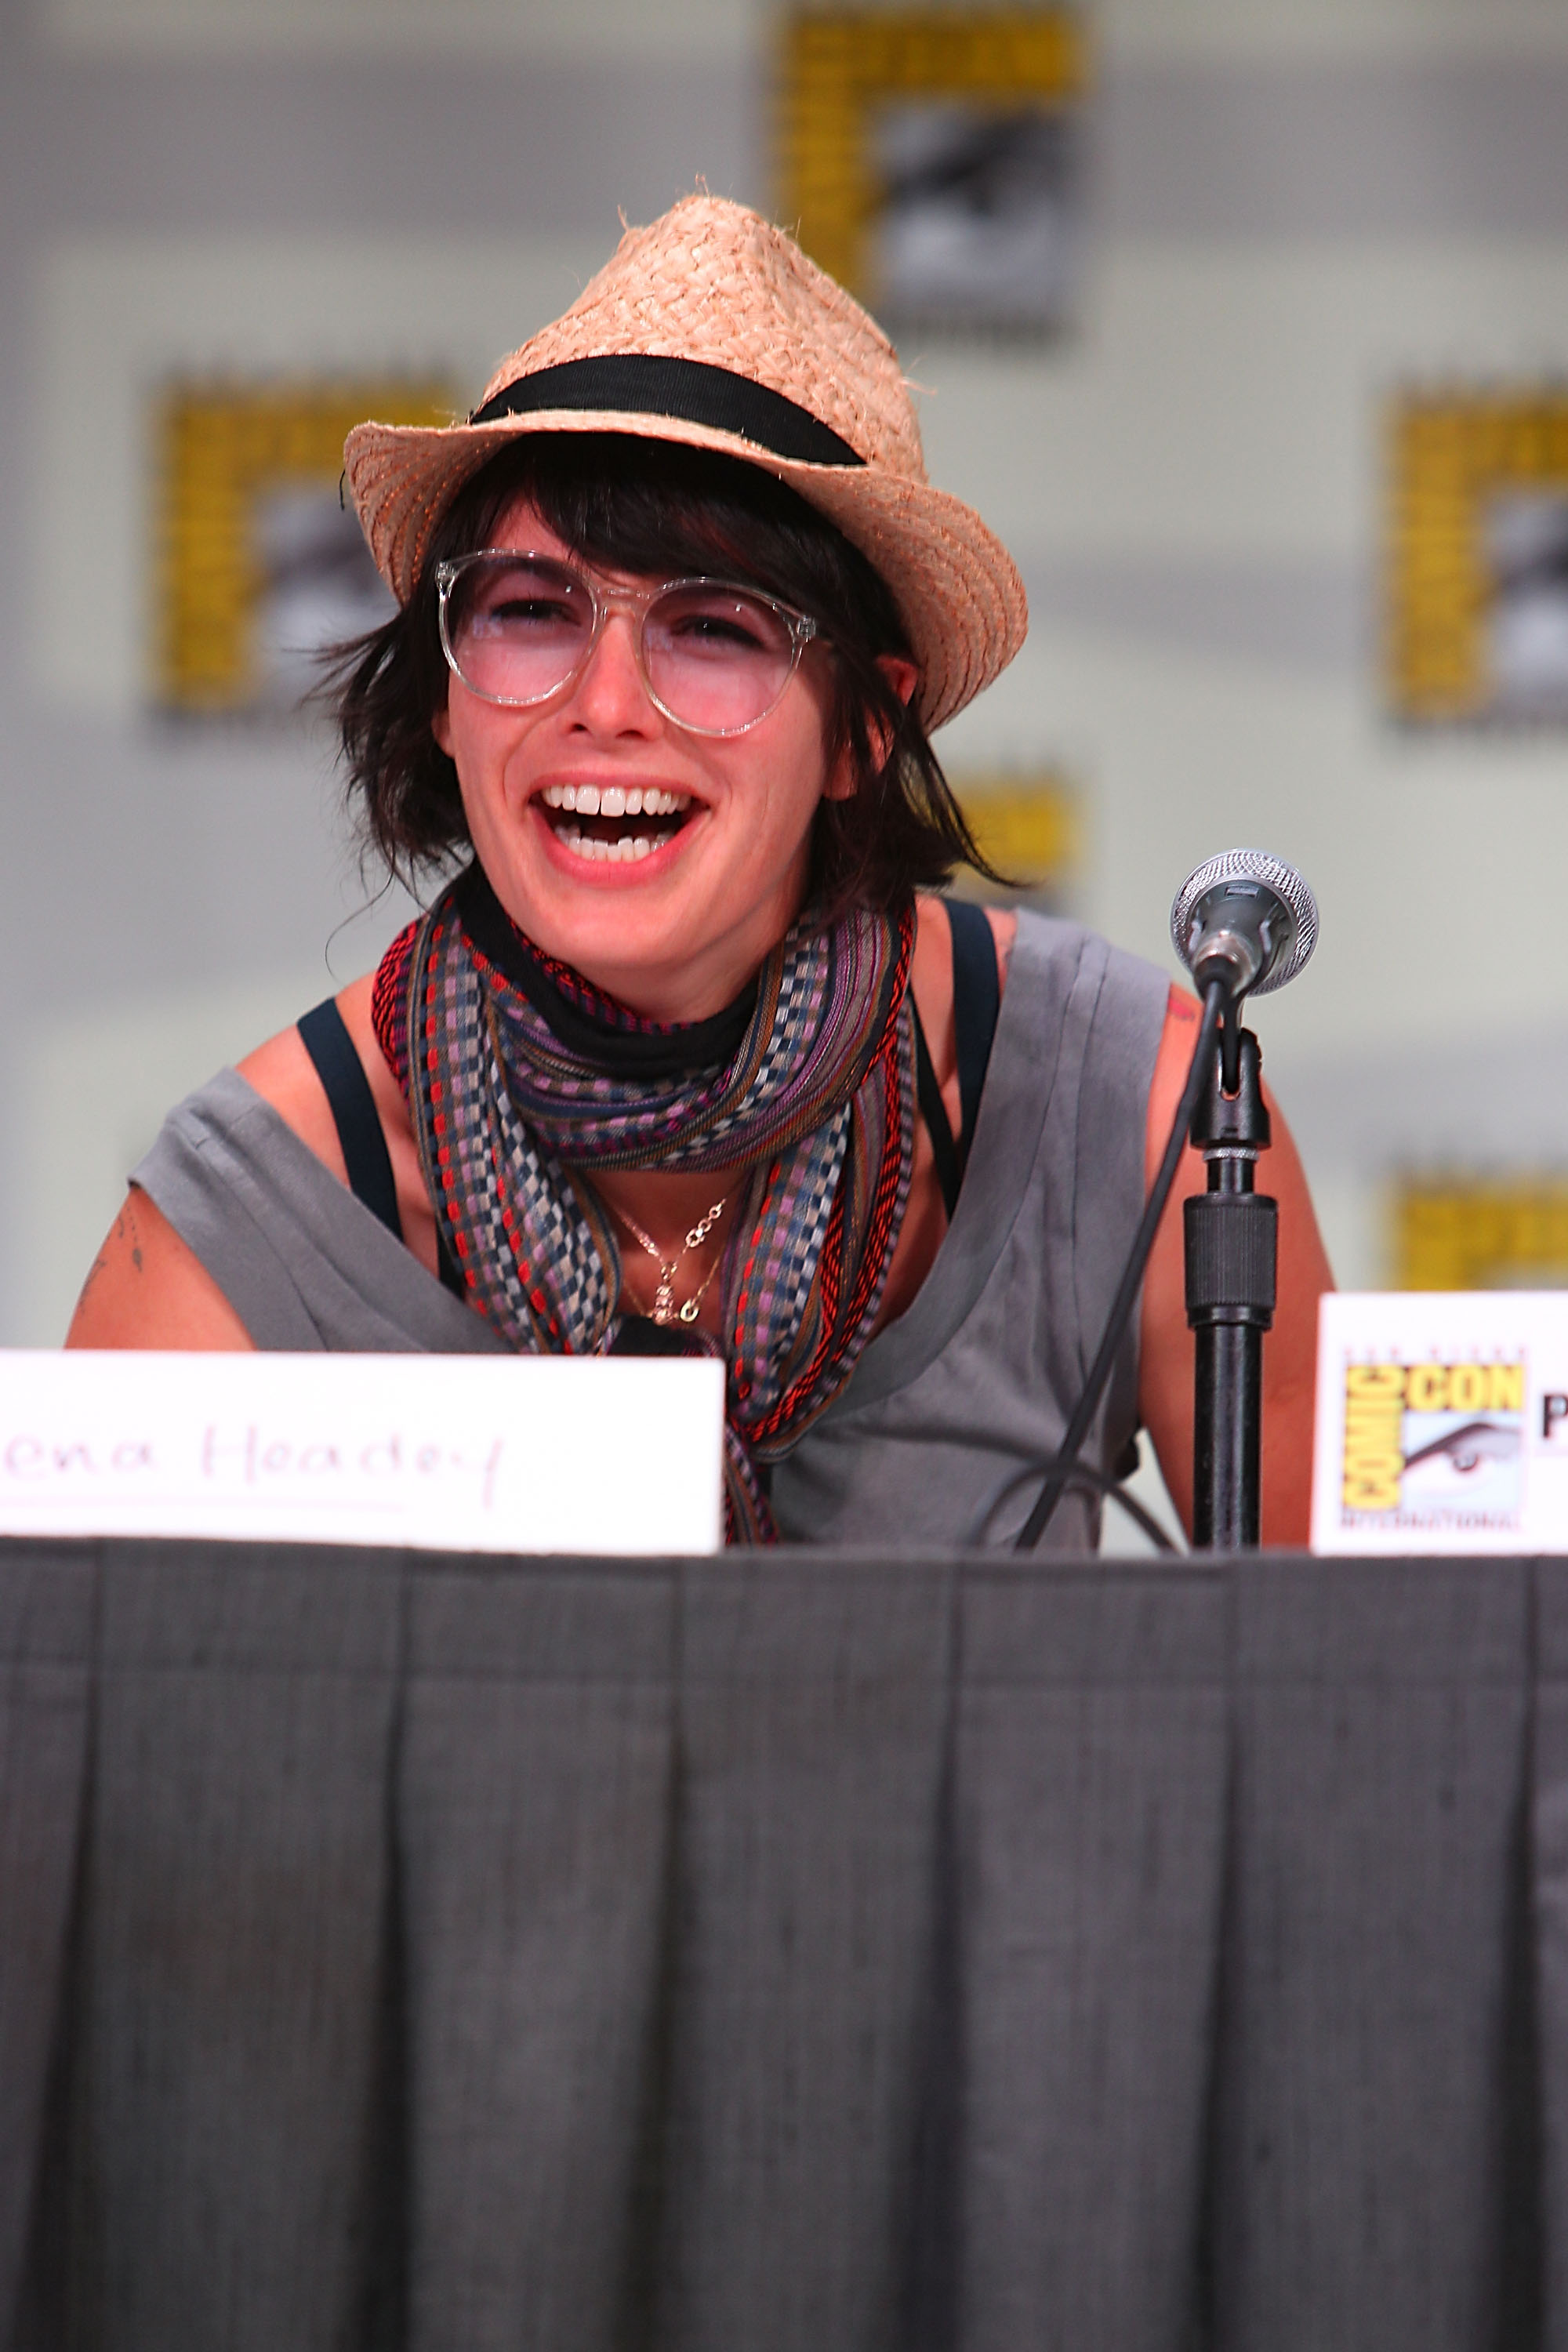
pixel 652 507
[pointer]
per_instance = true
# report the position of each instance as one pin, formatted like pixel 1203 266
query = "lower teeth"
pixel 625 850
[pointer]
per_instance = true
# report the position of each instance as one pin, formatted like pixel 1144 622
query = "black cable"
pixel 1121 1305
pixel 1100 1482
pixel 1092 1482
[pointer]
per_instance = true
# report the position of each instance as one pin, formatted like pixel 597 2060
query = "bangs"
pixel 662 508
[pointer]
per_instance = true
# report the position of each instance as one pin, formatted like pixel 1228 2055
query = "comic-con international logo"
pixel 1432 1444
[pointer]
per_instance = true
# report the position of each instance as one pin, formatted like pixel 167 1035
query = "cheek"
pixel 787 814
pixel 802 765
pixel 477 749
pixel 466 729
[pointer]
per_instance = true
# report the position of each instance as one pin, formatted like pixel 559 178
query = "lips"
pixel 613 823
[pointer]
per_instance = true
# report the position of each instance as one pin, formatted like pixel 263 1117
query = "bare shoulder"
pixel 1004 924
pixel 930 972
pixel 147 1288
pixel 283 1075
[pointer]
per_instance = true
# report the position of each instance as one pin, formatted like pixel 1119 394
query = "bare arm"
pixel 1290 1352
pixel 148 1289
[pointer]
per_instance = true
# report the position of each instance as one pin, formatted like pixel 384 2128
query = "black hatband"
pixel 641 383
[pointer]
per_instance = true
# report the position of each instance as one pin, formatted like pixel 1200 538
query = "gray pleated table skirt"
pixel 796 1952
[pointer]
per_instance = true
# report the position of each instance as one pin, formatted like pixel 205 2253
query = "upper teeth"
pixel 615 800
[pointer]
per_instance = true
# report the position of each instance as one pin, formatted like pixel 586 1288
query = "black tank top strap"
pixel 354 1114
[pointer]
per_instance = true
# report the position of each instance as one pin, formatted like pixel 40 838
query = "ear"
pixel 441 728
pixel 903 677
pixel 902 674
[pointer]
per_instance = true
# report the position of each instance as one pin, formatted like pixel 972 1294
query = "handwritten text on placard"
pixel 481 1452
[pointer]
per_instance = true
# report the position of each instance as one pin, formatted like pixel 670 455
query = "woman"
pixel 682 1059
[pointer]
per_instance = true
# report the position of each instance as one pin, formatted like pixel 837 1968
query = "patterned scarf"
pixel 521 1079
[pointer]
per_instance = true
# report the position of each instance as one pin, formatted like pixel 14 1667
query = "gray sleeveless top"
pixel 931 1440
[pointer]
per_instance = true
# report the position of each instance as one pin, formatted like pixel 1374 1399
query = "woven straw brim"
pixel 956 587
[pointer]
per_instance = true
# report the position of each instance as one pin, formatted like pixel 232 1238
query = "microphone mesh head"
pixel 1255 865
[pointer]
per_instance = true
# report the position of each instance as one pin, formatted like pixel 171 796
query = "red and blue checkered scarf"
pixel 521 1079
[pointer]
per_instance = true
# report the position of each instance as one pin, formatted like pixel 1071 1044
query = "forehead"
pixel 521 526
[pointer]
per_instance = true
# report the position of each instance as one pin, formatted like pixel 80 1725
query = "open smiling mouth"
pixel 612 823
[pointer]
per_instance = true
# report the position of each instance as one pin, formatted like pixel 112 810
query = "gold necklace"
pixel 665 1309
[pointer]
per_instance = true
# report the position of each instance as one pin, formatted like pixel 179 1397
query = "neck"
pixel 677 996
pixel 686 987
pixel 708 989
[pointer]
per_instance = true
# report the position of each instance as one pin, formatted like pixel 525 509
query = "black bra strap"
pixel 933 1110
pixel 976 1001
pixel 355 1113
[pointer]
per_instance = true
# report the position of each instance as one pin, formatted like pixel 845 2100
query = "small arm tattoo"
pixel 125 1231
pixel 129 1242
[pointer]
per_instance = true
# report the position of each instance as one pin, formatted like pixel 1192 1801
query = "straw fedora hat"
pixel 711 327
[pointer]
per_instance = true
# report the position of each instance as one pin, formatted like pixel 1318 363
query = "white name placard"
pixel 508 1453
pixel 1442 1423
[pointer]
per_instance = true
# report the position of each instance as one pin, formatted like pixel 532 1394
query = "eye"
pixel 523 602
pixel 698 622
pixel 717 628
pixel 526 611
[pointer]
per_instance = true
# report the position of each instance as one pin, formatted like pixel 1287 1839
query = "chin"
pixel 612 940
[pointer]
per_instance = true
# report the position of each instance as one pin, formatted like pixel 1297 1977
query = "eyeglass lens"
pixel 716 659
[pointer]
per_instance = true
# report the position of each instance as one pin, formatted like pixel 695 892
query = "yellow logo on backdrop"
pixel 1379 1396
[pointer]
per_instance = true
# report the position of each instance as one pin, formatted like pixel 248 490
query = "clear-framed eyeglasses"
pixel 517 628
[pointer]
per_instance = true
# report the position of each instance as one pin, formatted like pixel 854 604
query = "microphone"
pixel 1245 920
pixel 1248 921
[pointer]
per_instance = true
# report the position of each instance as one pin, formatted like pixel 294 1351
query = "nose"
pixel 610 697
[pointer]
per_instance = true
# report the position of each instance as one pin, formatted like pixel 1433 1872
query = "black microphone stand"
pixel 1232 1254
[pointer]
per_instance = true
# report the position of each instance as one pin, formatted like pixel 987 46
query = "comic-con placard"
pixel 1442 1423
